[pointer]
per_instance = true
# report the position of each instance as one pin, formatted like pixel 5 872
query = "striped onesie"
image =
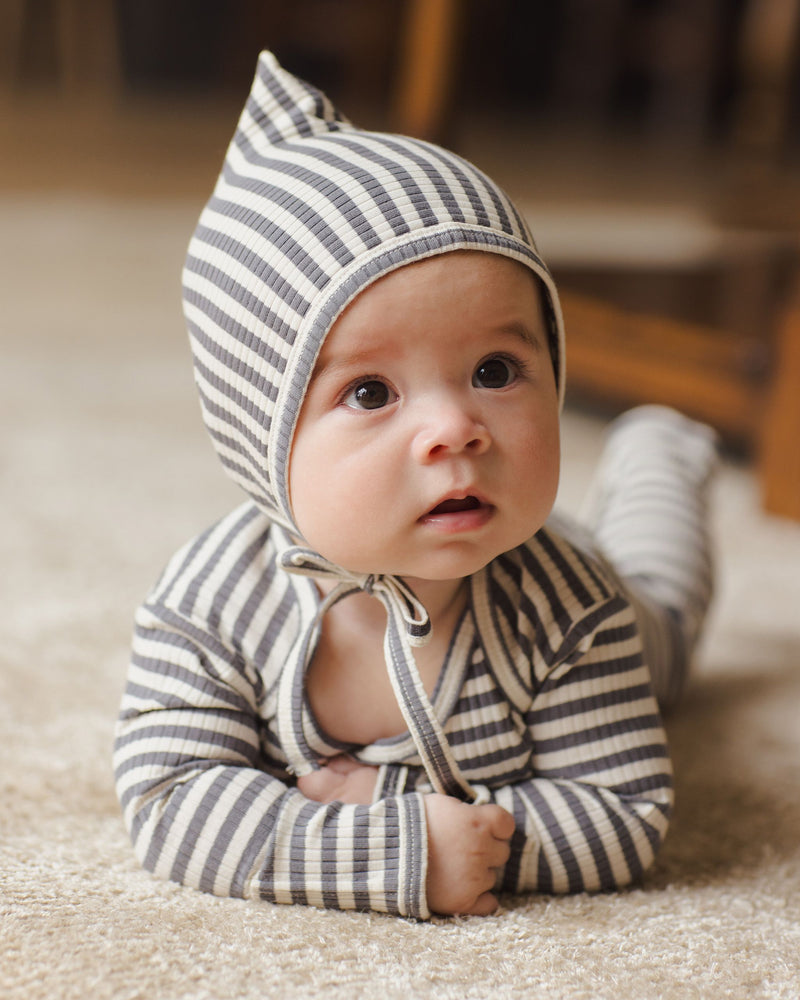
pixel 545 703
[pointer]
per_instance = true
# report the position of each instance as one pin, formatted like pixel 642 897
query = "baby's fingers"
pixel 503 824
pixel 483 906
pixel 499 853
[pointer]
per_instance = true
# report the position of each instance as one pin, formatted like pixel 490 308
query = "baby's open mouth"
pixel 456 505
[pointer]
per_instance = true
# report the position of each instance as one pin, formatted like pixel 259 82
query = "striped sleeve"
pixel 597 808
pixel 595 804
pixel 208 804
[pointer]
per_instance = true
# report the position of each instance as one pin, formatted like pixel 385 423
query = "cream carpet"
pixel 105 471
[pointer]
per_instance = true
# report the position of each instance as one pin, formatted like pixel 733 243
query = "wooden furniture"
pixel 622 359
pixel 625 358
pixel 666 305
pixel 428 49
pixel 779 457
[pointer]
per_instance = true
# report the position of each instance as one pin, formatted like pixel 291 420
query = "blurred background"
pixel 654 146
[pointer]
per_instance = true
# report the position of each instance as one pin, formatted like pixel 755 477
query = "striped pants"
pixel 648 513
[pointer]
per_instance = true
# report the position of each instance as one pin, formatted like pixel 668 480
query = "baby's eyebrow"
pixel 530 334
pixel 343 365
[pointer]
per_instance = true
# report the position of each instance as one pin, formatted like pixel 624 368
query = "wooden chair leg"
pixel 426 67
pixel 779 458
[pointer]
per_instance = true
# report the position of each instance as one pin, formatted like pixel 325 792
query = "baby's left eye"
pixel 494 373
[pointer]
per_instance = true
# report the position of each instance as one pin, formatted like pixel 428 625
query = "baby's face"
pixel 428 442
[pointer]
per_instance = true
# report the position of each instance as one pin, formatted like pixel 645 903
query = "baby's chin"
pixel 441 571
pixel 458 560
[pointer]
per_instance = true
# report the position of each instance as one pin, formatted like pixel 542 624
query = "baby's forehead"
pixel 463 292
pixel 467 300
pixel 494 284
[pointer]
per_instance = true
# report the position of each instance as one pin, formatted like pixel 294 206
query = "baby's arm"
pixel 205 808
pixel 597 808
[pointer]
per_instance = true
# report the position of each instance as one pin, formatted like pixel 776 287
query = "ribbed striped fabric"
pixel 648 510
pixel 544 700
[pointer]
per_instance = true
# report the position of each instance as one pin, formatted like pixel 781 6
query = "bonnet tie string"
pixel 305 562
pixel 407 626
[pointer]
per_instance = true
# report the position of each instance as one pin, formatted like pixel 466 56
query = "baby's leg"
pixel 648 513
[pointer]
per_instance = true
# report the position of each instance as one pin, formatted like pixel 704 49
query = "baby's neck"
pixel 442 599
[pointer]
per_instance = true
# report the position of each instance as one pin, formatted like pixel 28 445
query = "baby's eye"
pixel 369 395
pixel 494 373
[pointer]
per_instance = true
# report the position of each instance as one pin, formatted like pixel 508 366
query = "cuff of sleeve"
pixel 417 858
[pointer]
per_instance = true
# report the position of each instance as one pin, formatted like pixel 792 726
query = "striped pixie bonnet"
pixel 307 212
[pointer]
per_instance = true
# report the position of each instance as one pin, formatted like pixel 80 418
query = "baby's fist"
pixel 467 845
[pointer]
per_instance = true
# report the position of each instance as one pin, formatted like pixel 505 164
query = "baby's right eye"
pixel 371 394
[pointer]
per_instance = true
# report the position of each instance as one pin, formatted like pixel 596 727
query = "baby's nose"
pixel 449 428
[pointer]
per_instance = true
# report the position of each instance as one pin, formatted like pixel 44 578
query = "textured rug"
pixel 105 471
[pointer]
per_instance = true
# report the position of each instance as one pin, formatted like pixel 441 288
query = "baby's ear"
pixel 282 108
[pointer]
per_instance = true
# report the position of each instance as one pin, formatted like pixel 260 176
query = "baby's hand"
pixel 340 779
pixel 466 846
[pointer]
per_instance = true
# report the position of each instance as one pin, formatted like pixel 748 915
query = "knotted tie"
pixel 407 625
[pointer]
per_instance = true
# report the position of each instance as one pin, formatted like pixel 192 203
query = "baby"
pixel 390 680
